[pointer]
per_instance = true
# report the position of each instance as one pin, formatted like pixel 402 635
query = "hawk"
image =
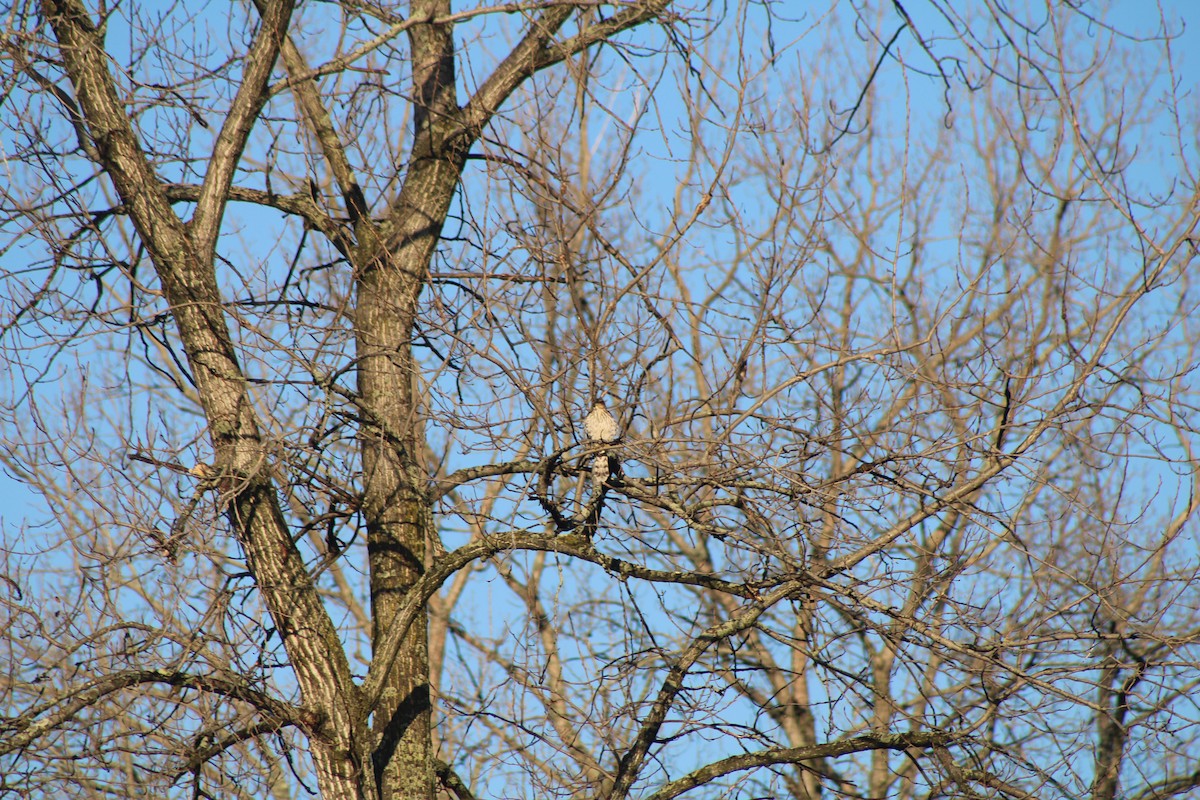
pixel 600 426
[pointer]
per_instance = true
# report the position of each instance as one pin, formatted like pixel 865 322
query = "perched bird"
pixel 600 426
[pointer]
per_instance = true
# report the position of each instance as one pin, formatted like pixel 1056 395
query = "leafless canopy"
pixel 303 306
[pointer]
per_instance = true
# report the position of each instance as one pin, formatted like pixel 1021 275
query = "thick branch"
pixel 190 285
pixel 451 781
pixel 538 50
pixel 574 545
pixel 239 121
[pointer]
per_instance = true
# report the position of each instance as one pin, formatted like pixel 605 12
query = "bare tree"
pixel 305 306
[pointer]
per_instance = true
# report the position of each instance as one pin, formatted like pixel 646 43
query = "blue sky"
pixel 917 101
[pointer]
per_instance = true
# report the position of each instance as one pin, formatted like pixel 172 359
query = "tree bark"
pixel 189 282
pixel 392 271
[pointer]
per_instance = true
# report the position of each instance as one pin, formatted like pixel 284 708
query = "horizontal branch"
pixel 21 731
pixel 300 204
pixel 443 486
pixel 798 755
pixel 1169 788
pixel 576 545
pixel 225 741
pixel 297 205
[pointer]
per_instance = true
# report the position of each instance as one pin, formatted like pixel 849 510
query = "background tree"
pixel 305 306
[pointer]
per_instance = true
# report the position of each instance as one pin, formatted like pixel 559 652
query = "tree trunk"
pixel 185 269
pixel 392 270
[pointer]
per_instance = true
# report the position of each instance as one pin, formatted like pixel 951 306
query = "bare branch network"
pixel 599 400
